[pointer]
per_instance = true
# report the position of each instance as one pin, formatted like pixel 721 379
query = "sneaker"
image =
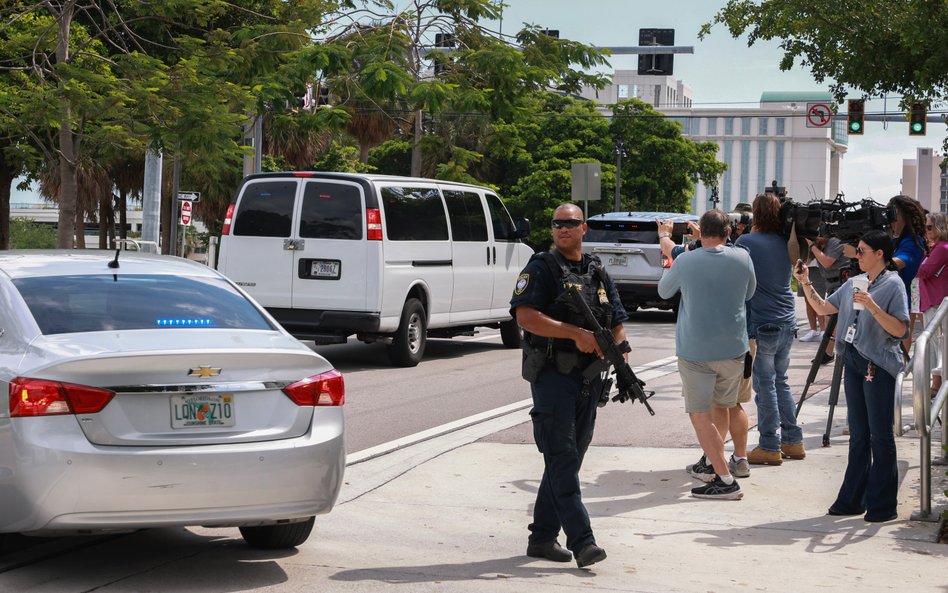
pixel 701 470
pixel 718 489
pixel 811 336
pixel 739 469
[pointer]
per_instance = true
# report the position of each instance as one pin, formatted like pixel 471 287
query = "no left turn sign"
pixel 818 115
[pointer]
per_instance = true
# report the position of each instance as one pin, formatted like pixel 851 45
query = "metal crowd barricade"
pixel 925 407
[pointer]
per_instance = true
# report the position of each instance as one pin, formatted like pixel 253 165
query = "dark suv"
pixel 627 244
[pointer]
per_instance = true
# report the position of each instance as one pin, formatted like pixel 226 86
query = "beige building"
pixel 925 178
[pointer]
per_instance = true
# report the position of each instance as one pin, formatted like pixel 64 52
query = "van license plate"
pixel 618 260
pixel 324 268
pixel 202 410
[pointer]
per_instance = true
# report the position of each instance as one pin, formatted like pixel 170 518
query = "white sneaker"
pixel 810 336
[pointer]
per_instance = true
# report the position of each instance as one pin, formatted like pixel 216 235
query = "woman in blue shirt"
pixel 869 342
pixel 908 228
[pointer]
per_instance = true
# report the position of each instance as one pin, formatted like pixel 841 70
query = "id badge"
pixel 850 334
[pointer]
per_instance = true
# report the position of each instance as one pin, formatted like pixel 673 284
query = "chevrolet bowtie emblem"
pixel 204 372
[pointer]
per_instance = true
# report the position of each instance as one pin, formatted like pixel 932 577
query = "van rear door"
pixel 330 267
pixel 473 271
pixel 254 253
pixel 505 255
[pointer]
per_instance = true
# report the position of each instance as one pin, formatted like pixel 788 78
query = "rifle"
pixel 629 386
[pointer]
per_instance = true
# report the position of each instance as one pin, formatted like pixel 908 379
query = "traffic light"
pixel 917 119
pixel 855 115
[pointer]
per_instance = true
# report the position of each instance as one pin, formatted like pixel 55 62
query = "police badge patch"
pixel 522 283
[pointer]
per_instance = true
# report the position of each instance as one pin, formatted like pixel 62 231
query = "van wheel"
pixel 511 334
pixel 278 537
pixel 408 345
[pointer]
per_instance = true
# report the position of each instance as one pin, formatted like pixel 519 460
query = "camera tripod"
pixel 834 385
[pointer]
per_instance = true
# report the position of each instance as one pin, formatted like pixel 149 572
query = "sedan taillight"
pixel 325 389
pixel 39 397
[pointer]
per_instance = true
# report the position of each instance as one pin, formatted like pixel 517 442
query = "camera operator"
pixel 771 321
pixel 827 252
pixel 908 228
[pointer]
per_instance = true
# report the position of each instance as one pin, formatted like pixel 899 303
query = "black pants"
pixel 563 422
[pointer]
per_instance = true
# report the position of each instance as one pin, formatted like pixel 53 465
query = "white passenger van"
pixel 393 259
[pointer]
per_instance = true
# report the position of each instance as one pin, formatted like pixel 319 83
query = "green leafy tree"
pixel 659 166
pixel 880 47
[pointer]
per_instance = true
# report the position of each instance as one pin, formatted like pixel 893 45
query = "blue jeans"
pixel 776 409
pixel 563 421
pixel 871 482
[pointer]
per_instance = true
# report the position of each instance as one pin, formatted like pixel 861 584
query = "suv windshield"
pixel 66 304
pixel 613 231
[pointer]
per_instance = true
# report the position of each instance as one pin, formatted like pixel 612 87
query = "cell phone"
pixel 799 266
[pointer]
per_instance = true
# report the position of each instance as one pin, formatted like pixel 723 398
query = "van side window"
pixel 504 229
pixel 331 211
pixel 414 214
pixel 468 222
pixel 266 209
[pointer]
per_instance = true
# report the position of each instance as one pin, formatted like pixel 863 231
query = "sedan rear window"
pixel 613 231
pixel 107 302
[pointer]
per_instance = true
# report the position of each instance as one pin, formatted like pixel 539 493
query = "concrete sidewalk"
pixel 452 516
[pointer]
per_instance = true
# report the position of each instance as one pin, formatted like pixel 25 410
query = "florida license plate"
pixel 618 260
pixel 202 410
pixel 325 268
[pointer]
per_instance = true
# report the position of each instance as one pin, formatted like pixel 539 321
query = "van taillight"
pixel 227 219
pixel 373 222
pixel 325 389
pixel 39 397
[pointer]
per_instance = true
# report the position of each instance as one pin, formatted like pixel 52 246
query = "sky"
pixel 724 71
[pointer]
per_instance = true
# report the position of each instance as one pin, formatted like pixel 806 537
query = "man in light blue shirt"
pixel 711 339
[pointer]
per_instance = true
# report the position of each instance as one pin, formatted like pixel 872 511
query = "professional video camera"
pixel 846 221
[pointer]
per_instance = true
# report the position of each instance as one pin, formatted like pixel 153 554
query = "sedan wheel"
pixel 278 537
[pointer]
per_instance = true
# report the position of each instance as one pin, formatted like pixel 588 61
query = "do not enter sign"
pixel 186 213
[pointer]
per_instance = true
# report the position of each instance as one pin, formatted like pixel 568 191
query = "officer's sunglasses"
pixel 569 223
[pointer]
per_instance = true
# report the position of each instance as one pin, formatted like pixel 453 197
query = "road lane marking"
pixel 504 415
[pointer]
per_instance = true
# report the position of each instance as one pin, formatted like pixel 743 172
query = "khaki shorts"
pixel 745 392
pixel 708 382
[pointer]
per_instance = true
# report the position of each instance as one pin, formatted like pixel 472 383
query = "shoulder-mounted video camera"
pixel 847 221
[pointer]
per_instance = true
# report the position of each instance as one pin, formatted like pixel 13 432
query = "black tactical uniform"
pixel 564 404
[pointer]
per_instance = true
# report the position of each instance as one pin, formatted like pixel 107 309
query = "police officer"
pixel 556 351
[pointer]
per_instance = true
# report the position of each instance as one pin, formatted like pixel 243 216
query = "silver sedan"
pixel 149 391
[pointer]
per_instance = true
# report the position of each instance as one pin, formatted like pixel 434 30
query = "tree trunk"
pixel 166 215
pixel 66 228
pixel 110 213
pixel 123 214
pixel 416 147
pixel 103 229
pixel 6 182
pixel 80 226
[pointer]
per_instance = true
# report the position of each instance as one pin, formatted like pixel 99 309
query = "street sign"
pixel 186 213
pixel 818 115
pixel 190 196
pixel 587 183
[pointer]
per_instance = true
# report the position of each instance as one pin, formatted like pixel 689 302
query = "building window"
pixel 761 164
pixel 781 126
pixel 712 126
pixel 728 126
pixel 745 168
pixel 745 126
pixel 762 126
pixel 686 126
pixel 778 161
pixel 658 94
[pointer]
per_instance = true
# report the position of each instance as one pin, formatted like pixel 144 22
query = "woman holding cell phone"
pixel 873 319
